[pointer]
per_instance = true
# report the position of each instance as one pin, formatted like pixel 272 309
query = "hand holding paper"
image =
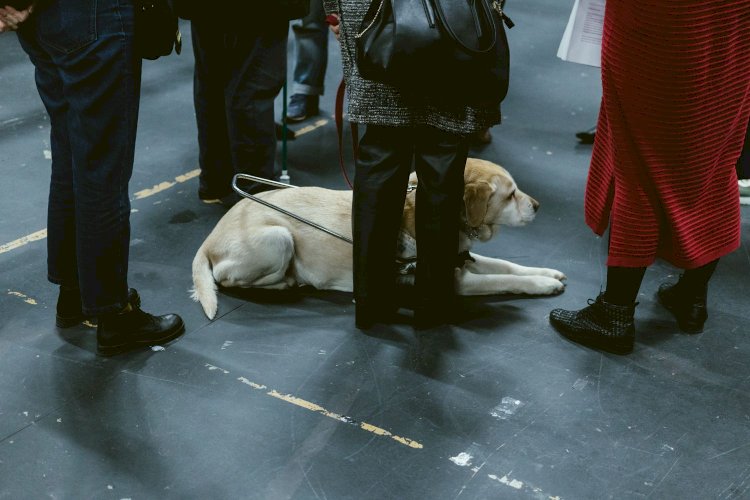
pixel 582 40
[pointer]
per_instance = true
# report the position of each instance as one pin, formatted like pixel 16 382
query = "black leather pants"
pixel 385 159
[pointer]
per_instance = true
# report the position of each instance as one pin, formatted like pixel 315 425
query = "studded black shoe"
pixel 688 309
pixel 601 325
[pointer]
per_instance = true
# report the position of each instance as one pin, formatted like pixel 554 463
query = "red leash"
pixel 339 116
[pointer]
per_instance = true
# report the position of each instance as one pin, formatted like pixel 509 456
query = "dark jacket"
pixel 237 12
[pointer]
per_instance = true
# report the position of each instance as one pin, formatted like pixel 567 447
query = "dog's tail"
pixel 204 286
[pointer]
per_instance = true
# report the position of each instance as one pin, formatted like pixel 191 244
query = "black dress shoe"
pixel 69 308
pixel 689 310
pixel 366 315
pixel 69 311
pixel 132 329
pixel 587 136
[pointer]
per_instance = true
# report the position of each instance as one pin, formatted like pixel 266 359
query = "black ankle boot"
pixel 688 309
pixel 69 308
pixel 601 325
pixel 69 312
pixel 125 331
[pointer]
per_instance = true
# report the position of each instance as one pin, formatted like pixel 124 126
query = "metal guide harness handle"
pixel 277 184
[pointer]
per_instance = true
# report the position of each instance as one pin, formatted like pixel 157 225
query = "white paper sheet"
pixel 582 40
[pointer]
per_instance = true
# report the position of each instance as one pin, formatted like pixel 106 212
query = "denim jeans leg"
pixel 61 241
pixel 258 76
pixel 311 46
pixel 91 49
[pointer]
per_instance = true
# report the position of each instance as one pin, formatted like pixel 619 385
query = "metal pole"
pixel 284 172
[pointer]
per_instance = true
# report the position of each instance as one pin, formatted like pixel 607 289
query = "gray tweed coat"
pixel 377 103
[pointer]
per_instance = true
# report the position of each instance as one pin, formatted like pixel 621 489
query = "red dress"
pixel 675 107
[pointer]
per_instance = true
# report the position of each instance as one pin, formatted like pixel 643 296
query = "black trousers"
pixel 385 159
pixel 743 163
pixel 237 77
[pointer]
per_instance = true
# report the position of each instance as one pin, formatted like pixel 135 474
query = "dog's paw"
pixel 552 273
pixel 546 285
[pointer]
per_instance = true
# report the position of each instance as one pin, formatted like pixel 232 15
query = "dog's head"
pixel 492 199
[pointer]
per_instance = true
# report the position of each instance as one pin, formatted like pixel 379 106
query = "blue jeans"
pixel 311 39
pixel 237 77
pixel 88 77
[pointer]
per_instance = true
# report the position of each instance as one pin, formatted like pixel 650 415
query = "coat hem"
pixel 625 261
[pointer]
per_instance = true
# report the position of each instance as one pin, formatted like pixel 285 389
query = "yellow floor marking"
pixel 309 128
pixel 25 297
pixel 307 405
pixel 189 175
pixel 24 240
pixel 145 193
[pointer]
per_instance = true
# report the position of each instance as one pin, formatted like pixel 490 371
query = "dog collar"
pixel 471 232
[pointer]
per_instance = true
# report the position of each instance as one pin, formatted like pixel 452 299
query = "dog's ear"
pixel 476 198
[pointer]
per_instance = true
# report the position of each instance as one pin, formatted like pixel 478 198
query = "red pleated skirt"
pixel 675 107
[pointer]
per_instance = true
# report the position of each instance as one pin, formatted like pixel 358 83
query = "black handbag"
pixel 156 29
pixel 452 50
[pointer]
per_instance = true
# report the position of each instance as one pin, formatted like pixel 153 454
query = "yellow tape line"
pixel 310 128
pixel 24 240
pixel 25 297
pixel 319 409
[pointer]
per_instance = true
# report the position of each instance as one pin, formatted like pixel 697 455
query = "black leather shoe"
pixel 587 136
pixel 689 311
pixel 69 311
pixel 118 333
pixel 69 308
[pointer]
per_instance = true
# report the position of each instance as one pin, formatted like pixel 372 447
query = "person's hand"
pixel 334 21
pixel 11 18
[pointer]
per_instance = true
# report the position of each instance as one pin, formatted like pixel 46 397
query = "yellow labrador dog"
pixel 256 246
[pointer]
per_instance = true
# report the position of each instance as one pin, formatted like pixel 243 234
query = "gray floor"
pixel 249 405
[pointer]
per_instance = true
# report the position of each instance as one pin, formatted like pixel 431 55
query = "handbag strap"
pixel 339 116
pixel 481 8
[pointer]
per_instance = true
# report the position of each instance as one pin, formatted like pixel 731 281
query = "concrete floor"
pixel 247 406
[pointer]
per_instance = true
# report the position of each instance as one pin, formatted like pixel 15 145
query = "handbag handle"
pixel 488 14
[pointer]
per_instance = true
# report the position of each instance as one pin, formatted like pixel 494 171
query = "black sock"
pixel 623 284
pixel 695 281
